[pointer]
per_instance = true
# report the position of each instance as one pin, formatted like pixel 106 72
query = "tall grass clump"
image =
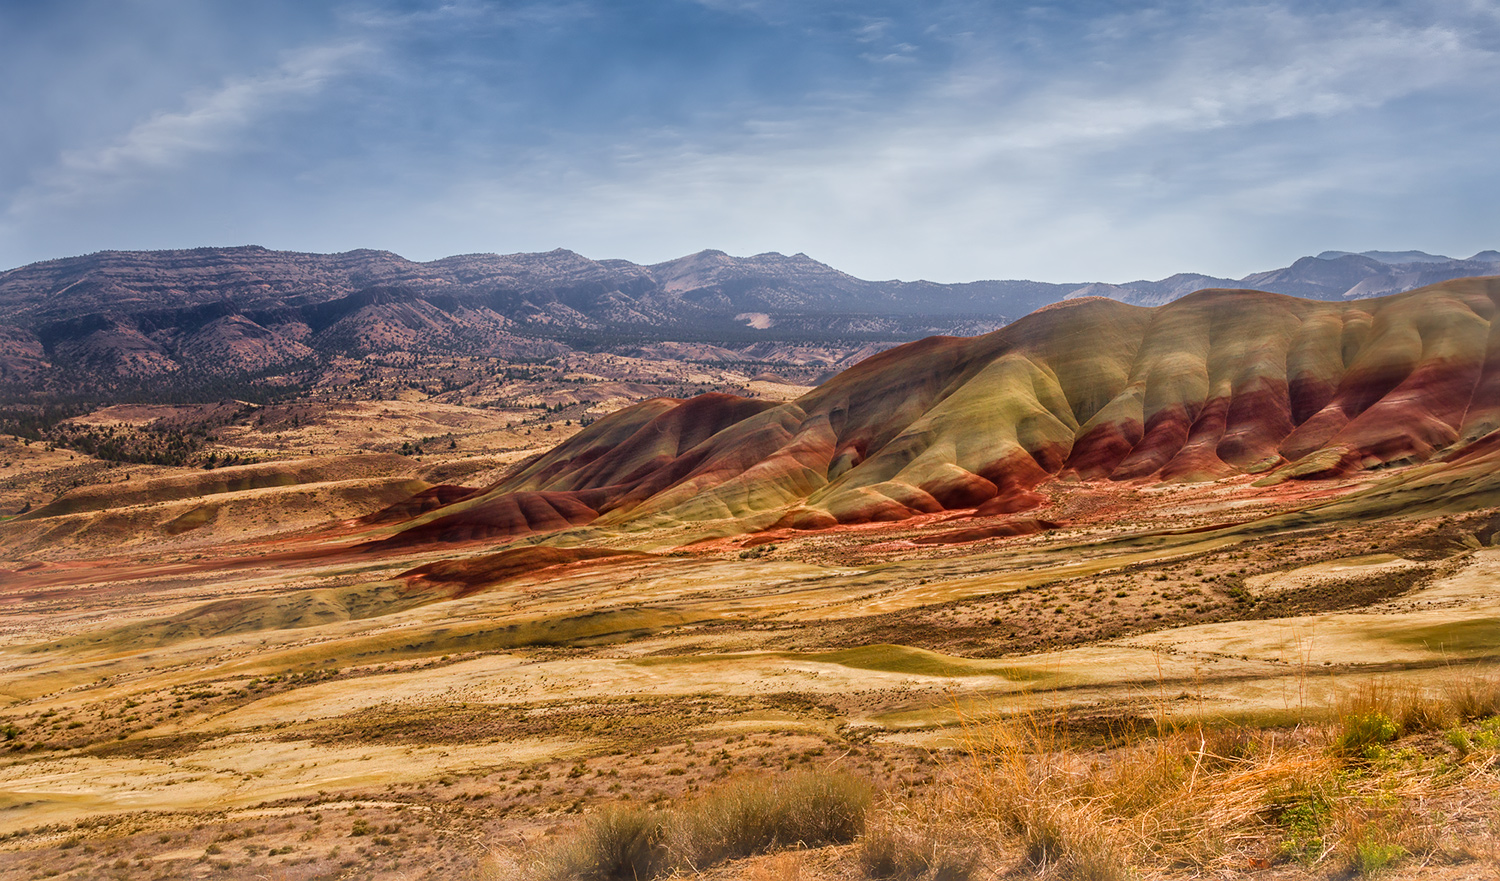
pixel 741 818
pixel 756 815
pixel 1364 735
pixel 617 843
pixel 1340 791
pixel 1474 697
pixel 1084 815
pixel 1408 708
pixel 901 845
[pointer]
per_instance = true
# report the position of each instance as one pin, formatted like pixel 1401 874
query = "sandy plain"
pixel 248 693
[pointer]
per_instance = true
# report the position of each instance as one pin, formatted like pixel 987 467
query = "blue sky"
pixel 942 140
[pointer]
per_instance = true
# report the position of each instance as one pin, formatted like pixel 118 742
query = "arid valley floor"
pixel 242 672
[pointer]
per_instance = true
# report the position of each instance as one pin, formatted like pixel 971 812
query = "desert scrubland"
pixel 1200 590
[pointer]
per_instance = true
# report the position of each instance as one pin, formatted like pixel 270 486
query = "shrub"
pixel 755 815
pixel 618 843
pixel 741 818
pixel 1486 737
pixel 1373 854
pixel 1304 817
pixel 1363 735
pixel 907 849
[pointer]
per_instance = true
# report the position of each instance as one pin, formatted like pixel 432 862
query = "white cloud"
pixel 1242 67
pixel 212 122
pixel 467 14
pixel 1136 145
pixel 974 173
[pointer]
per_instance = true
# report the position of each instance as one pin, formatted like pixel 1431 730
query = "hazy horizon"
pixel 1080 281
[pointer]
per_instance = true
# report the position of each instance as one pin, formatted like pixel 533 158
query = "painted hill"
pixel 1218 383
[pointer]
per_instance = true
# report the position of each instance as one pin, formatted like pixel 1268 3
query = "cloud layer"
pixel 950 141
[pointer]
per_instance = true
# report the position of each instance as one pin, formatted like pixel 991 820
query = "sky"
pixel 950 140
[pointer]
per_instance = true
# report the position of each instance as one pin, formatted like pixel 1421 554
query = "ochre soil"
pixel 307 704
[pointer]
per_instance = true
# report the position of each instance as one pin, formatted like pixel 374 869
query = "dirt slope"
pixel 1216 384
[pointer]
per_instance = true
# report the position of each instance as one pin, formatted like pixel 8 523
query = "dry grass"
pixel 744 817
pixel 1408 708
pixel 756 815
pixel 1347 794
pixel 1184 798
pixel 618 842
pixel 782 867
pixel 1473 697
pixel 1357 793
pixel 906 845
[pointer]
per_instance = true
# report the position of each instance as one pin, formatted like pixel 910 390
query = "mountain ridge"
pixel 128 316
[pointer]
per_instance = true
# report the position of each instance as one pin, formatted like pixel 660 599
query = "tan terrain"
pixel 345 661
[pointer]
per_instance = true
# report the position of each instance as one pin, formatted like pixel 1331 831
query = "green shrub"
pixel 1363 734
pixel 1484 738
pixel 1304 822
pixel 1373 854
pixel 1459 739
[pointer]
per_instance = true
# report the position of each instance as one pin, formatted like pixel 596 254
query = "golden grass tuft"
pixel 902 845
pixel 1473 697
pixel 1184 798
pixel 1409 708
pixel 1346 794
pixel 616 843
pixel 741 818
pixel 756 815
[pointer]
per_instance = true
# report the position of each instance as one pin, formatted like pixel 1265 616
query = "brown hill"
pixel 115 321
pixel 1219 383
pixel 234 503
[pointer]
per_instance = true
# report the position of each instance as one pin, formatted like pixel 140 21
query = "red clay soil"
pixel 431 499
pixel 472 574
pixel 1008 529
pixel 499 518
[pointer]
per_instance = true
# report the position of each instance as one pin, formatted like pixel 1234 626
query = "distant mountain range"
pixel 246 311
pixel 1332 275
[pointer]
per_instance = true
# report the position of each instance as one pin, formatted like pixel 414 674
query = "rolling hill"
pixel 1215 384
